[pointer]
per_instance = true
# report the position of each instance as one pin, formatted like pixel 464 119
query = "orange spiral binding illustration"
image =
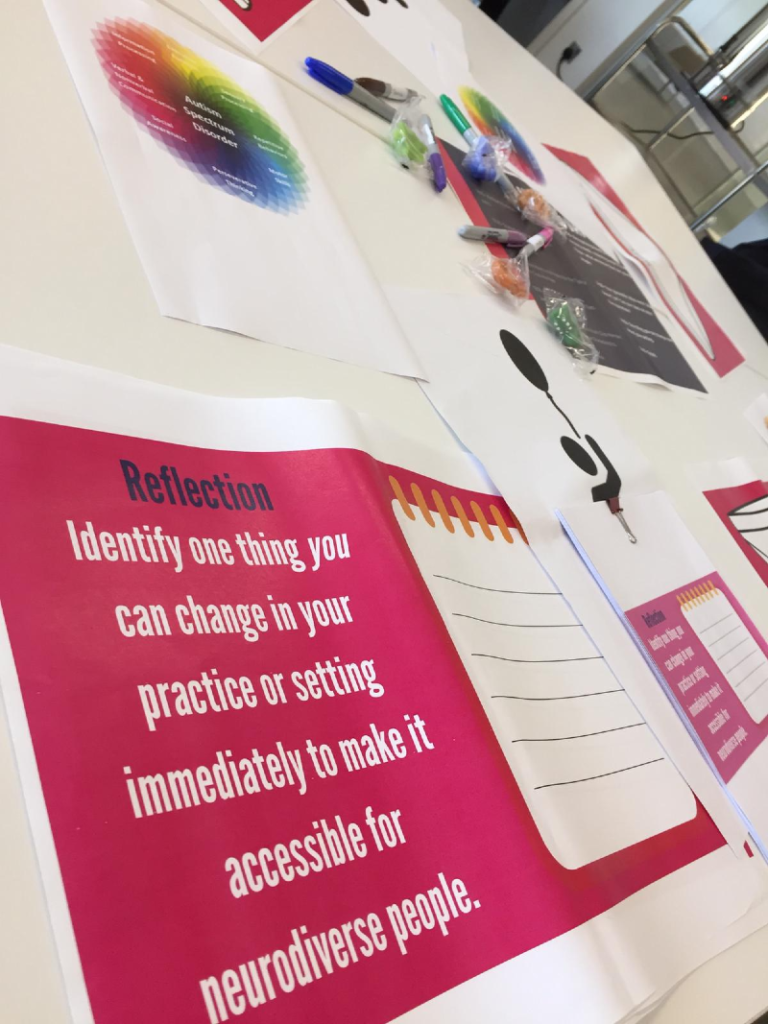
pixel 474 522
pixel 697 595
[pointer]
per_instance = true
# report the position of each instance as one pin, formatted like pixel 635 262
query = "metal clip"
pixel 616 510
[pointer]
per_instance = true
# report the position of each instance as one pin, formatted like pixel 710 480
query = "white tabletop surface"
pixel 72 286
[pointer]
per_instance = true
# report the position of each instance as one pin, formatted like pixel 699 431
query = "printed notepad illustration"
pixel 728 641
pixel 593 775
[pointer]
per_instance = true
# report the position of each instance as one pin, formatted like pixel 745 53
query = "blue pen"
pixel 344 86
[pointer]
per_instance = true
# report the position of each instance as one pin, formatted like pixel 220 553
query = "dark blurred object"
pixel 687 59
pixel 523 19
pixel 745 270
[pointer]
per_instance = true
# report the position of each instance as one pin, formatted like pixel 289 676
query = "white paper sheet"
pixel 521 447
pixel 464 343
pixel 231 219
pixel 422 35
pixel 713 663
pixel 592 772
pixel 756 414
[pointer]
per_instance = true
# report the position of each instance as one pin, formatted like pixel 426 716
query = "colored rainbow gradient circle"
pixel 200 116
pixel 489 120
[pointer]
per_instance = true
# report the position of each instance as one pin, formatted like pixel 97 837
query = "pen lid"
pixel 328 76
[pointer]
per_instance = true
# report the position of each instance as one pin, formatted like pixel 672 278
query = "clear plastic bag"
pixel 487 157
pixel 404 138
pixel 568 320
pixel 535 208
pixel 507 277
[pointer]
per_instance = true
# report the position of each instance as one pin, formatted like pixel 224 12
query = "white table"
pixel 72 286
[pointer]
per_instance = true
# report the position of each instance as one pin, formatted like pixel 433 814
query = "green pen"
pixel 458 120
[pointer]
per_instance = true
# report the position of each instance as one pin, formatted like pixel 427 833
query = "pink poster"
pixel 743 508
pixel 262 19
pixel 272 789
pixel 715 663
pixel 681 303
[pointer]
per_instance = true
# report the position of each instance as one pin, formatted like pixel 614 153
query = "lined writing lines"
pixel 539 661
pixel 593 775
pixel 733 648
pixel 573 696
pixel 498 590
pixel 578 736
pixel 516 625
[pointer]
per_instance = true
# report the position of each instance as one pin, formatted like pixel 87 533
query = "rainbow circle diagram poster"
pixel 202 117
pixel 230 216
